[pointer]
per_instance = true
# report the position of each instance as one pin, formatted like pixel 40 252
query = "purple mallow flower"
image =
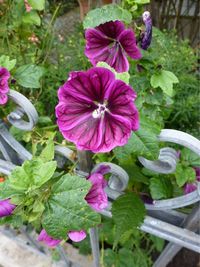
pixel 48 240
pixel 75 236
pixel 96 197
pixel 96 111
pixel 112 43
pixel 190 187
pixel 4 88
pixel 145 39
pixel 6 208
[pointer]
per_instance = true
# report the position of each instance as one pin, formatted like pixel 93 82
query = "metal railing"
pixel 162 220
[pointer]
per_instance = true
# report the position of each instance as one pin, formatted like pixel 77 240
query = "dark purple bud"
pixel 146 198
pixel 147 35
pixel 6 208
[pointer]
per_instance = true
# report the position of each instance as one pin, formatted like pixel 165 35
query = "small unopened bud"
pixel 146 36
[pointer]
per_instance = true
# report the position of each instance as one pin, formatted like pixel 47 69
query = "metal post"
pixel 85 165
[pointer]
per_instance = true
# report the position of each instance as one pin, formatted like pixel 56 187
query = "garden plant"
pixel 103 94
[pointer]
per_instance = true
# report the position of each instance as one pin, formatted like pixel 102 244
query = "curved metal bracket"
pixel 25 107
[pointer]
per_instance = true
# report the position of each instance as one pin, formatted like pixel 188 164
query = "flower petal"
pixel 3 99
pixel 6 208
pixel 120 98
pixel 77 236
pixel 96 42
pixel 48 240
pixel 96 197
pixel 128 42
pixel 111 29
pixel 116 131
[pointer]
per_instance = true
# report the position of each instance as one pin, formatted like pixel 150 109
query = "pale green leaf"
pixel 161 187
pixel 104 14
pixel 32 174
pixel 67 209
pixel 184 175
pixel 165 80
pixel 31 18
pixel 192 158
pixel 28 75
pixel 128 212
pixel 7 63
pixel 37 4
pixel 47 153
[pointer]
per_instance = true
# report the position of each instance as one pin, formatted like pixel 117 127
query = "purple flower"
pixel 96 111
pixel 4 88
pixel 6 208
pixel 190 187
pixel 48 240
pixel 197 170
pixel 112 43
pixel 146 36
pixel 77 236
pixel 96 197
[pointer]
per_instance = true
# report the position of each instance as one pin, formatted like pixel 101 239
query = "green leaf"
pixel 123 76
pixel 7 63
pixel 161 187
pixel 104 14
pixel 67 209
pixel 37 4
pixel 31 18
pixel 142 2
pixel 192 158
pixel 158 242
pixel 164 79
pixel 28 75
pixel 32 174
pixel 48 152
pixel 128 213
pixel 184 175
pixel 142 142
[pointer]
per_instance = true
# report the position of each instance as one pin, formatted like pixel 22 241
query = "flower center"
pixel 99 112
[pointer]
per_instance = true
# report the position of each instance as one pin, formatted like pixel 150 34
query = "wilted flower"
pixel 4 88
pixel 6 208
pixel 96 111
pixel 146 36
pixel 112 43
pixel 190 187
pixel 77 236
pixel 27 6
pixel 48 240
pixel 34 39
pixel 96 197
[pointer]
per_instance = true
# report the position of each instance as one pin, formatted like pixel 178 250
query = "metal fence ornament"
pixel 162 220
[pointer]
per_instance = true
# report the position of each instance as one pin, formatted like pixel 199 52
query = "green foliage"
pixel 67 209
pixel 164 79
pixel 28 75
pixel 126 258
pixel 128 213
pixel 104 14
pixel 7 63
pixel 142 142
pixel 32 18
pixel 190 157
pixel 161 187
pixel 184 175
pixel 37 4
